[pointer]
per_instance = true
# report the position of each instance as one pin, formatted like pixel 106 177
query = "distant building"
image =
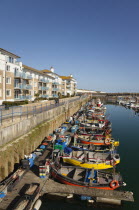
pixel 83 91
pixel 20 82
pixel 56 83
pixel 69 85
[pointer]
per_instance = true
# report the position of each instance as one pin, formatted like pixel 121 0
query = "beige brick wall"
pixel 36 88
pixel 11 85
pixel 1 84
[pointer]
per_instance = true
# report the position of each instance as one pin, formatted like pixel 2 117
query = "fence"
pixel 17 113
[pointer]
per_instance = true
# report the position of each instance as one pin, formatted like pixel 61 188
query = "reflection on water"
pixel 125 128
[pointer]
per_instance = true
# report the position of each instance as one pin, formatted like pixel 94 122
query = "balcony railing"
pixel 46 88
pixel 22 97
pixel 26 76
pixel 55 83
pixel 55 89
pixel 44 96
pixel 18 74
pixel 55 96
pixel 22 86
pixel 43 88
pixel 29 87
pixel 43 80
pixel 22 75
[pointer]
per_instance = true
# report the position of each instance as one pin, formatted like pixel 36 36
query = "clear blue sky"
pixel 95 40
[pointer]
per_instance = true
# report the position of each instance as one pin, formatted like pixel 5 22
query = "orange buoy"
pixel 114 184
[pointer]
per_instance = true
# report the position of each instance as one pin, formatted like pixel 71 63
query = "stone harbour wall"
pixel 24 137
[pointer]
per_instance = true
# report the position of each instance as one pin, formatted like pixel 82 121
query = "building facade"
pixel 69 85
pixel 20 82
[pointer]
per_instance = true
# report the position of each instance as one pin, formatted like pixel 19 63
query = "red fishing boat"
pixel 82 177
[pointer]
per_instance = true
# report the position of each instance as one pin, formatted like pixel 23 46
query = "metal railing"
pixel 20 112
pixel 22 97
pixel 23 75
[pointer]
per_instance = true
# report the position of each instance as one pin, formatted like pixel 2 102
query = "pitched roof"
pixel 46 71
pixel 35 70
pixel 9 53
pixel 66 77
pixel 49 71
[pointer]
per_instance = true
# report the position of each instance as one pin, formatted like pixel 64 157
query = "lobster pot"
pixel 42 171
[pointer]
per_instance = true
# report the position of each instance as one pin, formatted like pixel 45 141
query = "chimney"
pixel 52 69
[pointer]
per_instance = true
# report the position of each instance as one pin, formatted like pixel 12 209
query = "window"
pixel 8 80
pixel 0 79
pixel 8 92
pixel 0 92
pixel 7 68
pixel 11 60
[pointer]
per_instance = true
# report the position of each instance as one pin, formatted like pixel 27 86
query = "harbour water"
pixel 125 128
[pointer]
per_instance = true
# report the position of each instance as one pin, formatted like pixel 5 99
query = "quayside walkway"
pixel 18 113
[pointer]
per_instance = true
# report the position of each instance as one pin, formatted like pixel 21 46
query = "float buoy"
pixel 37 205
pixel 114 184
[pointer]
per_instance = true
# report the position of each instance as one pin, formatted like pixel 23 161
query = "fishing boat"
pixel 90 159
pixel 84 177
pixel 94 148
pixel 95 139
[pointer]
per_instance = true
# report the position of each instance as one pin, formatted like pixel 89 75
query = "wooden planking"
pixel 54 187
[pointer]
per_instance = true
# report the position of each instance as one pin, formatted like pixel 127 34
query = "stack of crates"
pixel 42 172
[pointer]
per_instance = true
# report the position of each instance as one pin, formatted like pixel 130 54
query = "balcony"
pixel 18 74
pixel 43 88
pixel 22 97
pixel 68 86
pixel 55 83
pixel 55 96
pixel 43 80
pixel 44 96
pixel 22 86
pixel 22 75
pixel 55 89
pixel 47 81
pixel 26 76
pixel 46 88
pixel 28 87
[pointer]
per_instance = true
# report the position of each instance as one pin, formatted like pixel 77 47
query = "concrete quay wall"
pixel 22 138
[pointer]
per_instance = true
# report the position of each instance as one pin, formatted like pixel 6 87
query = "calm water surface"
pixel 125 128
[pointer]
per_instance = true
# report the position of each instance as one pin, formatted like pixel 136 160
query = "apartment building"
pixel 8 65
pixel 21 82
pixel 69 85
pixel 56 84
pixel 41 83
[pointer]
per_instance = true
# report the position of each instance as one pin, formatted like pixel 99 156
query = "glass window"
pixel 7 68
pixel 8 92
pixel 8 80
pixel 11 60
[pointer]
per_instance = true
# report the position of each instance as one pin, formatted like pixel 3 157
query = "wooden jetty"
pixel 49 186
pixel 54 187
